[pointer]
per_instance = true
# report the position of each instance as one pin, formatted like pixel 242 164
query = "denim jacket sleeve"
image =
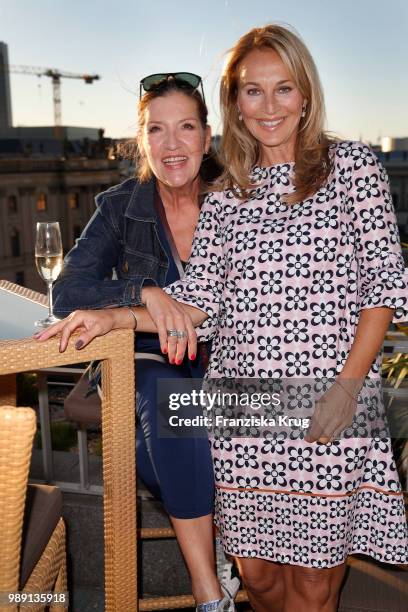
pixel 86 281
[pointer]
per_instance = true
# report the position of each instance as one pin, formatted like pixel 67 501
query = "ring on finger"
pixel 182 334
pixel 172 333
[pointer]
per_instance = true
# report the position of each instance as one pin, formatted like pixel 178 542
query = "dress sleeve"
pixel 382 278
pixel 203 283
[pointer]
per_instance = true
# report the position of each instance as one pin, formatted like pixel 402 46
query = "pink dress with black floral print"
pixel 283 286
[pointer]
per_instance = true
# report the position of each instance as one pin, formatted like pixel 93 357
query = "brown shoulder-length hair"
pixel 210 168
pixel 240 151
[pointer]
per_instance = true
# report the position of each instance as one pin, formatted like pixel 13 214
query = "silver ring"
pixel 182 334
pixel 172 333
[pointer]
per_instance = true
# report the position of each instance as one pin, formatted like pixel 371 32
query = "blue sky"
pixel 360 47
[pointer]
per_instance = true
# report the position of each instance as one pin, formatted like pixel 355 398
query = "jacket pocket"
pixel 136 264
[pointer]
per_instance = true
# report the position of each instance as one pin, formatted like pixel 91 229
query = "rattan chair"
pixel 26 564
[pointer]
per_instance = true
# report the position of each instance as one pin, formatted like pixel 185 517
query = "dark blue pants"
pixel 176 470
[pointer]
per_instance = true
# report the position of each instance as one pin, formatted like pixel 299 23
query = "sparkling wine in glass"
pixel 48 259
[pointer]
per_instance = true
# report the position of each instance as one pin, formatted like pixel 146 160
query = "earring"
pixel 303 111
pixel 239 116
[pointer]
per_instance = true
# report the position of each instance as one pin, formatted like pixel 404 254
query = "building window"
pixel 15 243
pixel 73 200
pixel 77 231
pixel 20 278
pixel 41 201
pixel 12 204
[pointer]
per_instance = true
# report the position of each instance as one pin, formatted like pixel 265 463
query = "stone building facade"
pixel 396 164
pixel 41 189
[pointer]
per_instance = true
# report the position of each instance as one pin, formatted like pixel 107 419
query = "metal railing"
pixel 84 485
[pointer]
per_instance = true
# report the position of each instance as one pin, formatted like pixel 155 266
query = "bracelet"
pixel 346 391
pixel 134 316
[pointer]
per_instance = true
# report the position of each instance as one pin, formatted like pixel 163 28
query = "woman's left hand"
pixel 91 323
pixel 333 413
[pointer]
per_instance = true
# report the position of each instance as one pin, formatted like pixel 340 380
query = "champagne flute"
pixel 48 259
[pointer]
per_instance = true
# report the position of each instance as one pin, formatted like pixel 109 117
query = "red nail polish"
pixel 164 350
pixel 172 361
pixel 178 362
pixel 192 357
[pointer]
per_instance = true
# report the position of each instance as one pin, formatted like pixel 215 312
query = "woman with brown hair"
pixel 143 229
pixel 295 272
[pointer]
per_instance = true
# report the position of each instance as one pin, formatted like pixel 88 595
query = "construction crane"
pixel 56 76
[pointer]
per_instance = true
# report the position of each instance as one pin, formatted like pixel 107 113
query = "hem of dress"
pixel 307 493
pixel 372 555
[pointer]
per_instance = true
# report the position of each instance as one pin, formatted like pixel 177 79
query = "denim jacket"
pixel 120 237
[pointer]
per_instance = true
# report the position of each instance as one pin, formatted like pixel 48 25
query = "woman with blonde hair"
pixel 296 273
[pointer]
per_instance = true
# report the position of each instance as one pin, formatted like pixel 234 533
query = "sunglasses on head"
pixel 183 79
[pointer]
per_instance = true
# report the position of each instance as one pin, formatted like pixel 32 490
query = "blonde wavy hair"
pixel 240 151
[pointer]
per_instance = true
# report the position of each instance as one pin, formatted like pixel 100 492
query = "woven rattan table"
pixel 116 351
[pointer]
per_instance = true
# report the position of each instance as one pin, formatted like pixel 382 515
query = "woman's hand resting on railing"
pixel 173 322
pixel 91 323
